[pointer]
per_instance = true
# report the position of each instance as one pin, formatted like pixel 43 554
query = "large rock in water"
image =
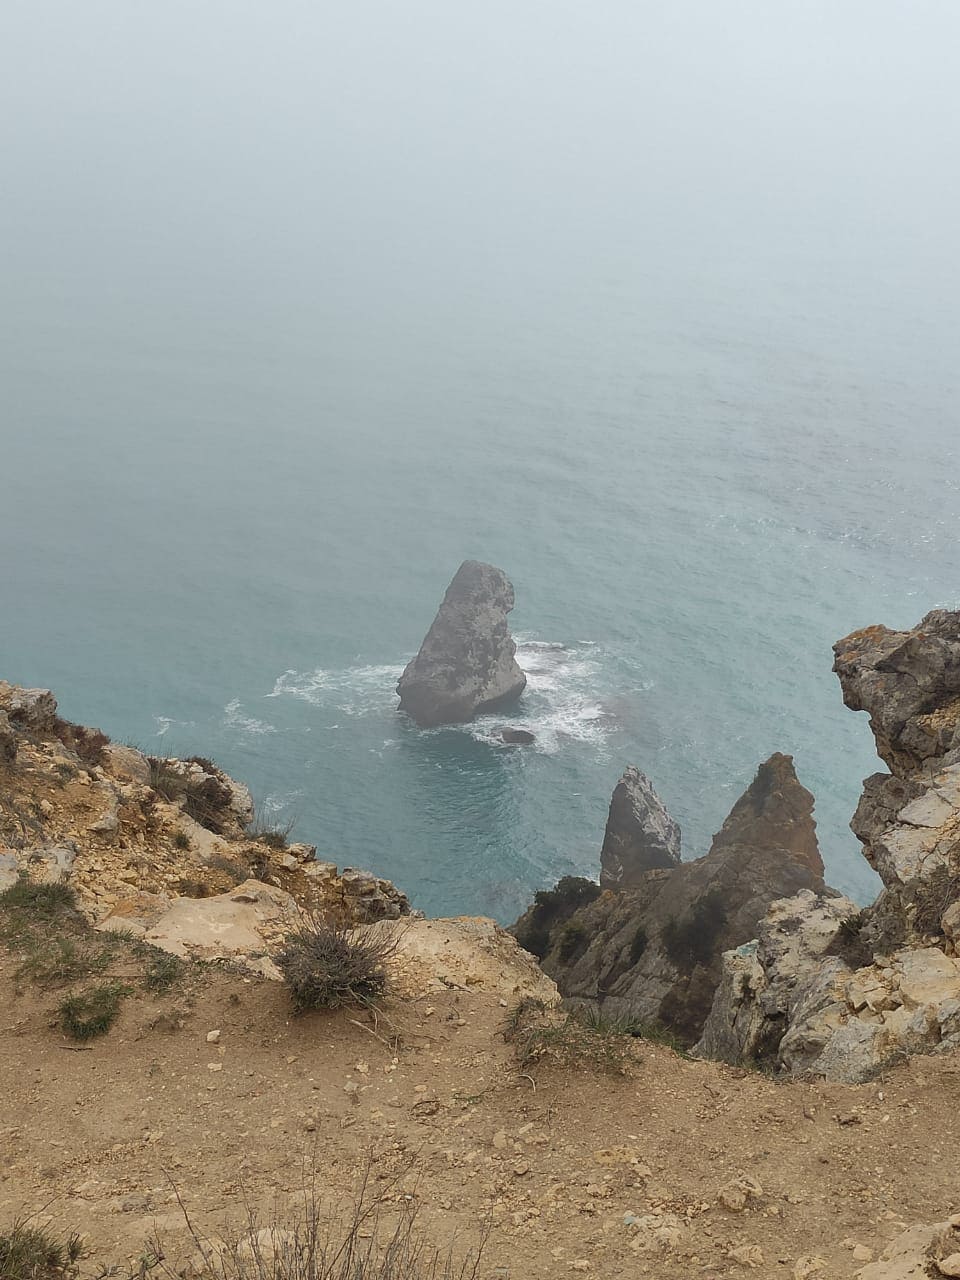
pixel 653 950
pixel 640 836
pixel 840 993
pixel 466 663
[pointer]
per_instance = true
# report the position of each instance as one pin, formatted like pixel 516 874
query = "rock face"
pixel 8 740
pixel 653 950
pixel 466 663
pixel 886 981
pixel 640 836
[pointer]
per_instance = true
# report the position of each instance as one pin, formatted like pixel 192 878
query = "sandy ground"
pixel 105 1139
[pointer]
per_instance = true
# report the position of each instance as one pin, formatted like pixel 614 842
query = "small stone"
pixel 500 1140
pixel 213 1037
pixel 521 1169
pixel 748 1255
pixel 862 1254
pixel 214 1066
pixel 949 1266
pixel 581 1264
pixel 310 1125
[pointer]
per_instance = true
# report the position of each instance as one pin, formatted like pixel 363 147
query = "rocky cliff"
pixel 652 950
pixel 466 663
pixel 166 849
pixel 839 992
pixel 640 835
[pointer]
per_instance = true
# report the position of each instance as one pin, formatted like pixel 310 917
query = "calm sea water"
pixel 656 312
pixel 230 541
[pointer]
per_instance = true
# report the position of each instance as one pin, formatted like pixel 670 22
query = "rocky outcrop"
pixel 466 663
pixel 30 710
pixel 887 981
pixel 653 950
pixel 8 740
pixel 640 836
pixel 151 839
pixel 918 1253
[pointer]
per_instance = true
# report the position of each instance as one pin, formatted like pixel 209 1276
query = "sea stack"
pixel 640 836
pixel 466 664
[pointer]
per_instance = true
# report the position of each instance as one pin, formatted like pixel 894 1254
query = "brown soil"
pixel 106 1138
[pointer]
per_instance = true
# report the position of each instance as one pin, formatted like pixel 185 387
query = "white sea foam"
pixel 355 691
pixel 248 726
pixel 559 706
pixel 560 703
pixel 166 723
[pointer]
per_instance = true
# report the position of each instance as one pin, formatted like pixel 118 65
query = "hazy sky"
pixel 274 150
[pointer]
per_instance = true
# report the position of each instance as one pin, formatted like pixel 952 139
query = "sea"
pixel 245 446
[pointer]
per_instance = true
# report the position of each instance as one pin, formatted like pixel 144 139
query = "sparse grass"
pixel 91 1013
pixel 377 1238
pixel 234 871
pixel 86 744
pixel 205 799
pixel 931 898
pixel 542 1035
pixel 56 947
pixel 181 841
pixel 56 961
pixel 41 902
pixel 34 1253
pixel 163 972
pixel 328 968
pixel 850 942
pixel 275 835
pixel 573 940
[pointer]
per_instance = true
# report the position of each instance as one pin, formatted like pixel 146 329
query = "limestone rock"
pixel 372 898
pixel 467 952
pixel 762 981
pixel 127 764
pixel 30 710
pixel 653 950
pixel 909 684
pixel 466 663
pixel 640 834
pixel 775 812
pixel 916 1254
pixel 8 740
pixel 243 925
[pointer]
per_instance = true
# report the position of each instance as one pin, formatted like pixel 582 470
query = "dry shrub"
pixel 86 744
pixel 327 968
pixel 377 1239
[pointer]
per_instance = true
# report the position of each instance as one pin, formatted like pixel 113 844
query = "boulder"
pixel 516 737
pixel 640 835
pixel 466 663
pixel 30 710
pixel 244 925
pixel 653 950
pixel 371 898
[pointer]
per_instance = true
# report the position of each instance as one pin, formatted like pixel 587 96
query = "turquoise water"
pixel 239 473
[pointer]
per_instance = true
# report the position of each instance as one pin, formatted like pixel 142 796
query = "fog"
pixel 390 159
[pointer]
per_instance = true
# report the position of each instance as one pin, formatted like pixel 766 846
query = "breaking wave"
pixel 560 705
